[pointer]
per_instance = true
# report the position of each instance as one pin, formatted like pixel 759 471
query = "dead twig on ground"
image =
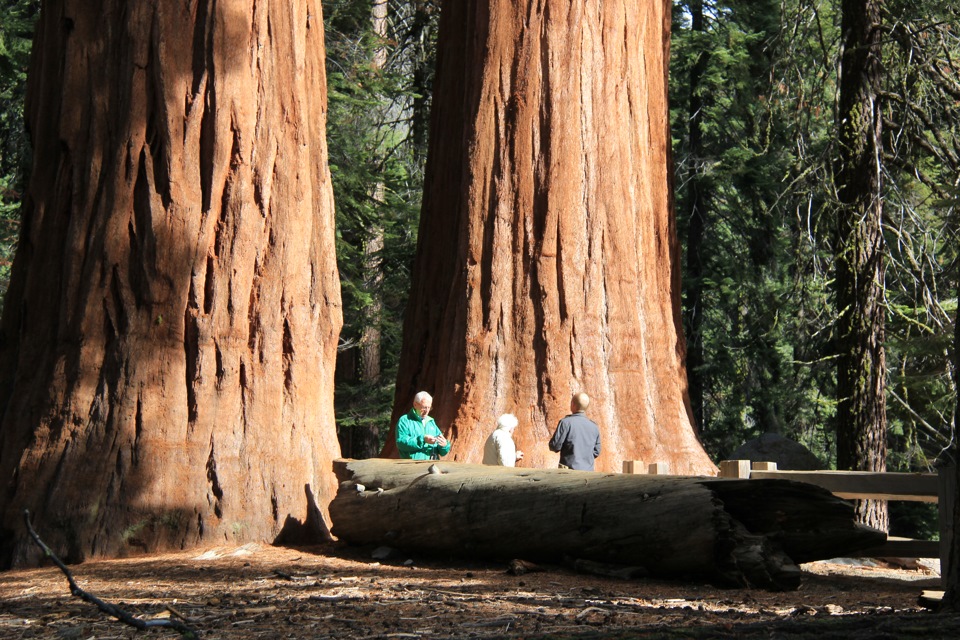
pixel 106 607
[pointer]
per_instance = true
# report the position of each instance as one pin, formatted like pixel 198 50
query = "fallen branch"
pixel 506 620
pixel 110 609
pixel 341 598
pixel 591 610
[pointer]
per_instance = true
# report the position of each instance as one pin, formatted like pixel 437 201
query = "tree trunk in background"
pixel 861 369
pixel 950 572
pixel 697 204
pixel 424 18
pixel 170 332
pixel 373 243
pixel 548 261
pixel 371 336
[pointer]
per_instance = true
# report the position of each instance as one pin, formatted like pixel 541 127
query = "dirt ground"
pixel 260 591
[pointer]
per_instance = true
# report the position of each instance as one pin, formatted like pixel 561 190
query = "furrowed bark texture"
pixel 861 365
pixel 547 260
pixel 170 332
pixel 744 532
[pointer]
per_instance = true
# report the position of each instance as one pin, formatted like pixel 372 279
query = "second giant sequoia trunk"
pixel 732 531
pixel 170 329
pixel 547 260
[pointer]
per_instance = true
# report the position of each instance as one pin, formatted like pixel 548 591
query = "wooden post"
pixel 946 498
pixel 634 466
pixel 735 469
pixel 764 466
pixel 659 469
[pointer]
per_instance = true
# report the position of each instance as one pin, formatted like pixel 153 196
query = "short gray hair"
pixel 507 421
pixel 581 401
pixel 421 396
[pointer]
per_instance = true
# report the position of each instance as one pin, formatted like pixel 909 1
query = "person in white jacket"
pixel 499 448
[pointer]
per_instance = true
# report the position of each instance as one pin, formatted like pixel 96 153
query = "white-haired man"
pixel 418 436
pixel 499 448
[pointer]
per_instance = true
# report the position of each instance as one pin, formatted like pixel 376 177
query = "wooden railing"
pixel 859 485
pixel 864 485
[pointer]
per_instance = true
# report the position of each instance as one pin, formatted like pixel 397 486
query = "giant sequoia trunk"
pixel 169 334
pixel 732 531
pixel 861 366
pixel 547 260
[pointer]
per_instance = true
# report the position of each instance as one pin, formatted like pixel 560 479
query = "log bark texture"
pixel 547 261
pixel 745 532
pixel 169 334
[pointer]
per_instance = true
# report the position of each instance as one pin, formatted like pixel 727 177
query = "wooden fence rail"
pixel 861 485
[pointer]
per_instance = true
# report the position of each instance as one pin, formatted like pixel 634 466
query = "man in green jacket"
pixel 418 436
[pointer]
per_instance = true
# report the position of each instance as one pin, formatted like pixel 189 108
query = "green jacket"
pixel 410 432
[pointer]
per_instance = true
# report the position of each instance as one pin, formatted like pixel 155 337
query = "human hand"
pixel 430 439
pixel 440 440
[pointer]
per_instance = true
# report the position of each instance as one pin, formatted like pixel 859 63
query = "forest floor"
pixel 333 591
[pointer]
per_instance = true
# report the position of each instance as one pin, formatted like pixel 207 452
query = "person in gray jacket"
pixel 577 437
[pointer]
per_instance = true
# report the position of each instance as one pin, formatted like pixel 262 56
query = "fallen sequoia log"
pixel 734 532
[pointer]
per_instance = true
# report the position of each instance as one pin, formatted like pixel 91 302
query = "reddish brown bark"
pixel 547 260
pixel 170 331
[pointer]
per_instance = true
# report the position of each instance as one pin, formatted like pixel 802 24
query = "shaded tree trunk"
pixel 951 572
pixel 169 336
pixel 861 368
pixel 548 261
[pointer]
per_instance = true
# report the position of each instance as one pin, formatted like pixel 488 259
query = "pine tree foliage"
pixel 766 352
pixel 922 174
pixel 376 161
pixel 16 33
pixel 768 96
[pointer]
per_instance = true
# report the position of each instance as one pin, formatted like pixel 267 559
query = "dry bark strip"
pixel 737 532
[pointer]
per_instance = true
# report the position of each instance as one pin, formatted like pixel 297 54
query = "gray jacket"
pixel 577 438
